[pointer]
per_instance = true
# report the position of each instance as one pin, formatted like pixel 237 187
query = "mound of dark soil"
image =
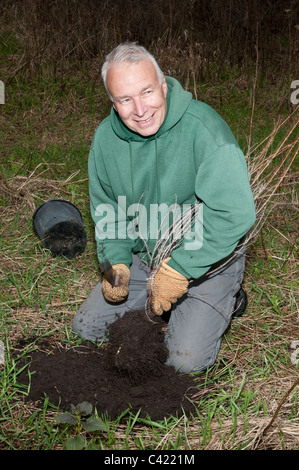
pixel 128 373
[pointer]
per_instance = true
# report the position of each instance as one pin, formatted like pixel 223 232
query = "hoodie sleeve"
pixel 110 222
pixel 226 214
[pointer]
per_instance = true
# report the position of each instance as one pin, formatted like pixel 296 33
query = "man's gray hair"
pixel 128 52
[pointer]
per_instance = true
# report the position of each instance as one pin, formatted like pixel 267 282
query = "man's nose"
pixel 139 107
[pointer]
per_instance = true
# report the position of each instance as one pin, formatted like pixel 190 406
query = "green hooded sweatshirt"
pixel 192 159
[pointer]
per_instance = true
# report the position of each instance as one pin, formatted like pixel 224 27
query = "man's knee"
pixel 189 361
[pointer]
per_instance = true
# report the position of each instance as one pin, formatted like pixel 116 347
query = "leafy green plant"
pixel 81 416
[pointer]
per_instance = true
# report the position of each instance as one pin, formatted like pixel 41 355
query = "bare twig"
pixel 266 428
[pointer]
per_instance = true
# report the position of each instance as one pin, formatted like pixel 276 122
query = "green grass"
pixel 47 125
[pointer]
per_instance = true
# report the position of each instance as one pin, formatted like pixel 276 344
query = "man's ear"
pixel 164 86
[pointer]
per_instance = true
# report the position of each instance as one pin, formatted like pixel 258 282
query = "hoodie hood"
pixel 178 101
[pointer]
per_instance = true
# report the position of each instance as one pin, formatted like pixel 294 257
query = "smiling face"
pixel 138 96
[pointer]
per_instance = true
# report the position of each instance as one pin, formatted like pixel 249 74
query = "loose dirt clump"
pixel 66 238
pixel 128 373
pixel 136 346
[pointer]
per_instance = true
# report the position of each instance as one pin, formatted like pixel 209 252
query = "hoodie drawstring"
pixel 132 176
pixel 157 171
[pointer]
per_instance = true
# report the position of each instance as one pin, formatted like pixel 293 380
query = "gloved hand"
pixel 118 293
pixel 166 288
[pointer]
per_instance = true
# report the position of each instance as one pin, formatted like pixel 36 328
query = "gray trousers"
pixel 196 322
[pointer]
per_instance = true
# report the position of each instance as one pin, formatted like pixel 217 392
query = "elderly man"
pixel 158 155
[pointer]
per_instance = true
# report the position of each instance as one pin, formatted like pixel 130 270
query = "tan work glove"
pixel 166 288
pixel 120 292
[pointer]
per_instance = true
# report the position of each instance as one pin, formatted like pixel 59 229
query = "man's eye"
pixel 147 92
pixel 125 101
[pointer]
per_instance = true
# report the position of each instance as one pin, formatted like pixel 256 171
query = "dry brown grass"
pixel 194 38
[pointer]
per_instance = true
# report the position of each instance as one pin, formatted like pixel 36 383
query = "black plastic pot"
pixel 59 225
